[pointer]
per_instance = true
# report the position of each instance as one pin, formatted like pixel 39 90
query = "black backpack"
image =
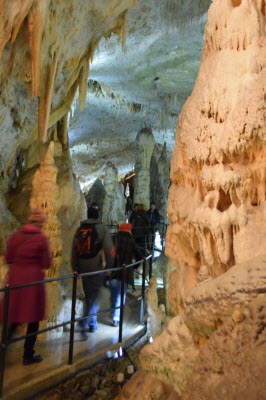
pixel 87 241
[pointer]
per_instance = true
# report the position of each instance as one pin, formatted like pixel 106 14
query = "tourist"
pixel 140 225
pixel 28 255
pixel 126 249
pixel 90 239
pixel 154 219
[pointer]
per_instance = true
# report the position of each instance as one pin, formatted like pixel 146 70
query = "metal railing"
pixel 75 276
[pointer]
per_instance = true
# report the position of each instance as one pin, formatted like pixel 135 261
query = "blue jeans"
pixel 115 286
pixel 92 287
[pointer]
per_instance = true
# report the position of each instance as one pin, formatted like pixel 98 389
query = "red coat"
pixel 28 255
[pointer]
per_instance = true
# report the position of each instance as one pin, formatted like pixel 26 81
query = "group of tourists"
pixel 93 249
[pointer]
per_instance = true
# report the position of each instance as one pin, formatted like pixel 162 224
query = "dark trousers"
pixel 91 287
pixel 29 341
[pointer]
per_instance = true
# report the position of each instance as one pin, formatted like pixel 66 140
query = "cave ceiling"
pixel 143 84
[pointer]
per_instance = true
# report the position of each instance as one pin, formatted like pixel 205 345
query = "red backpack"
pixel 87 241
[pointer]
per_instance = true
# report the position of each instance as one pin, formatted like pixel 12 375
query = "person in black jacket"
pixel 154 219
pixel 126 249
pixel 140 225
pixel 82 264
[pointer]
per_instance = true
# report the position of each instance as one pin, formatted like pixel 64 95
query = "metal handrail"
pixel 7 289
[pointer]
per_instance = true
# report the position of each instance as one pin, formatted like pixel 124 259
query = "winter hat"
pixel 125 227
pixel 36 216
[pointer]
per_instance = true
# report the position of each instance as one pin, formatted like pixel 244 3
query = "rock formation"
pixel 156 313
pixel 159 178
pixel 215 347
pixel 144 147
pixel 43 63
pixel 217 196
pixel 96 194
pixel 114 201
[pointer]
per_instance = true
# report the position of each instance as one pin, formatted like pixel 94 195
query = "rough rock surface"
pixel 96 194
pixel 217 201
pixel 149 387
pixel 216 347
pixel 156 312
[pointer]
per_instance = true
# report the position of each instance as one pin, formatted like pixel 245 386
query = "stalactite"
pixel 124 30
pixel 46 94
pixel 36 21
pixel 83 85
pixel 11 18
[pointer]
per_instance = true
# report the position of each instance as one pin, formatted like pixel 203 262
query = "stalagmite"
pixel 144 147
pixel 36 21
pixel 45 196
pixel 48 79
pixel 220 154
pixel 114 201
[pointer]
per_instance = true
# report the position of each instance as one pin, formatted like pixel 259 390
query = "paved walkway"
pixel 22 382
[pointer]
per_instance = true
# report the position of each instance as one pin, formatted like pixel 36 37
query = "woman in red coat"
pixel 28 255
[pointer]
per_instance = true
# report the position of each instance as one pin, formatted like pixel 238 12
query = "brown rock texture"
pixel 217 198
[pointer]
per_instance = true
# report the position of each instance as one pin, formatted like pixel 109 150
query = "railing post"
pixel 142 304
pixel 73 315
pixel 150 268
pixel 120 337
pixel 4 343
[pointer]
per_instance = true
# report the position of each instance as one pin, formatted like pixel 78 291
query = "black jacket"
pixel 126 250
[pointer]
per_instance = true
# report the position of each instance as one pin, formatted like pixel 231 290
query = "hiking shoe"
pixel 33 359
pixel 84 335
pixel 92 328
pixel 115 323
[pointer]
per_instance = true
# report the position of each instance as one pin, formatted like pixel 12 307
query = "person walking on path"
pixel 154 219
pixel 140 225
pixel 90 241
pixel 126 249
pixel 27 255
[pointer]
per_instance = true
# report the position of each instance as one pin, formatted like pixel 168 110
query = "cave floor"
pixel 22 382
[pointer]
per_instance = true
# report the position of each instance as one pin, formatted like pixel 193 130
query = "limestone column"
pixel 144 147
pixel 114 201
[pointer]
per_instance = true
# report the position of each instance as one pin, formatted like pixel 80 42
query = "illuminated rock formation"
pixel 43 61
pixel 144 147
pixel 217 204
pixel 215 348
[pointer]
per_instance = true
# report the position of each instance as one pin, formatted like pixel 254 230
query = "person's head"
pixel 136 207
pixel 125 227
pixel 37 217
pixel 94 205
pixel 141 207
pixel 152 206
pixel 92 213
